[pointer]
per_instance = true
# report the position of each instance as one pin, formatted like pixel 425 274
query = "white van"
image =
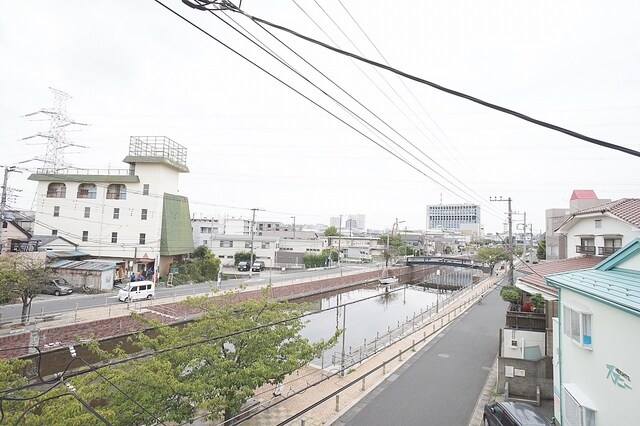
pixel 137 290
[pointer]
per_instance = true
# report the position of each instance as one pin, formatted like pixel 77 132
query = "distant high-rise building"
pixel 451 216
pixel 355 220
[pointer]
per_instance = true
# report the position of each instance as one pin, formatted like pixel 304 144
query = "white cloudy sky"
pixel 133 68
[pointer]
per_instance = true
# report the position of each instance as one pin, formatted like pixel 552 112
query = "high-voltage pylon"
pixel 56 137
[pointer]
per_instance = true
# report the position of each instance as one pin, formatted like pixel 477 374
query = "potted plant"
pixel 538 302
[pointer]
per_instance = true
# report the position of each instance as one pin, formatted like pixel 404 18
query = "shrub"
pixel 510 294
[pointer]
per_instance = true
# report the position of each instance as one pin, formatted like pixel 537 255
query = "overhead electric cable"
pixel 478 197
pixel 451 91
pixel 306 97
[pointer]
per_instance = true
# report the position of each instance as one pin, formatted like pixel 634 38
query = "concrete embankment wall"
pixel 119 328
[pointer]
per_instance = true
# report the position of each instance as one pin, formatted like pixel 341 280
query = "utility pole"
pixel 294 227
pixel 253 221
pixel 3 200
pixel 510 246
pixel 339 241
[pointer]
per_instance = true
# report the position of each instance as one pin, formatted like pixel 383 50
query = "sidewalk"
pixel 298 395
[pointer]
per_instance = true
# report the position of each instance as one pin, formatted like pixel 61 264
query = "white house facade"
pixel 603 229
pixel 133 216
pixel 597 341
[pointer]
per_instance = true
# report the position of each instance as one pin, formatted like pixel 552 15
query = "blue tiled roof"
pixel 605 282
pixel 620 288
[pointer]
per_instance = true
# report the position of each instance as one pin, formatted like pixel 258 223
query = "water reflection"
pixel 364 317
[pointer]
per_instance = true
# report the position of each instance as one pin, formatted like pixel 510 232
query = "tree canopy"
pixel 214 363
pixel 491 255
pixel 331 231
pixel 22 276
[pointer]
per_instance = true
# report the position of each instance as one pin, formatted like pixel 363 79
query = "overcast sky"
pixel 134 68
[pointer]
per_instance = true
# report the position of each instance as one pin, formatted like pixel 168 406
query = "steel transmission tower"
pixel 56 136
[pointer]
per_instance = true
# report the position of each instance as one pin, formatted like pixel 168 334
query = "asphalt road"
pixel 44 303
pixel 440 385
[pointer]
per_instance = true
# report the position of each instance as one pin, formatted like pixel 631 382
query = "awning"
pixel 546 295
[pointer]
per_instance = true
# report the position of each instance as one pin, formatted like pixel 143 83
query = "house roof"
pixel 46 239
pixel 534 274
pixel 55 254
pixel 18 227
pixel 626 209
pixel 583 194
pixel 606 282
pixel 83 265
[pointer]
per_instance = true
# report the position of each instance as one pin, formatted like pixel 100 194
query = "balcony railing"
pixel 606 251
pixel 586 249
pixel 526 320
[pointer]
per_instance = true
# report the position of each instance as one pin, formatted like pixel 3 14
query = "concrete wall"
pixel 524 339
pixel 527 376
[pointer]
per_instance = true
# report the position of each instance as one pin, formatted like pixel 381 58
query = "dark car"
pixel 511 413
pixel 257 266
pixel 57 287
pixel 243 266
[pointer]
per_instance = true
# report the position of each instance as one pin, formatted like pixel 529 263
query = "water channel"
pixel 372 316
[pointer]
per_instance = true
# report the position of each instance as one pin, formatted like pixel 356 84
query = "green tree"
pixel 331 231
pixel 491 256
pixel 202 266
pixel 314 260
pixel 213 363
pixel 537 301
pixel 243 256
pixel 510 293
pixel 541 252
pixel 22 276
pixel 330 253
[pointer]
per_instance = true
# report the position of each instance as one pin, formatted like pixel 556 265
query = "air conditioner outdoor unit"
pixel 514 343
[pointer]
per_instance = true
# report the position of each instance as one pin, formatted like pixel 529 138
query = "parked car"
pixel 57 287
pixel 137 290
pixel 258 266
pixel 243 266
pixel 511 413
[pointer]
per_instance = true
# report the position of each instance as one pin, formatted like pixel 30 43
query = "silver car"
pixel 57 287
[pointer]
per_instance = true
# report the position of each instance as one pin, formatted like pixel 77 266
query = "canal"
pixel 372 316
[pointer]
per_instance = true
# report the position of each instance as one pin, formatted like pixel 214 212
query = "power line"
pixel 450 91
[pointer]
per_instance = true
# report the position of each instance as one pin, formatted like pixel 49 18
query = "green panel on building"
pixel 176 237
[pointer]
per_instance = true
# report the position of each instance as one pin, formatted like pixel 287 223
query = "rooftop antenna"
pixel 56 136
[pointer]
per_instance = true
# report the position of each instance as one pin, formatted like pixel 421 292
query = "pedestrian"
pixel 150 274
pixel 133 276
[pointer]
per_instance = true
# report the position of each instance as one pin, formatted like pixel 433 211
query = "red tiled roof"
pixel 583 194
pixel 535 273
pixel 627 209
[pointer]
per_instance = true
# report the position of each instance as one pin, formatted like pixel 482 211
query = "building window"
pixel 86 190
pixel 265 245
pixel 85 236
pixel 226 244
pixel 56 211
pixel 116 213
pixel 114 237
pixel 577 326
pixel 143 215
pixel 116 191
pixel 143 238
pixel 87 212
pixel 574 412
pixel 598 223
pixel 54 232
pixel 145 189
pixel 56 190
pixel 205 230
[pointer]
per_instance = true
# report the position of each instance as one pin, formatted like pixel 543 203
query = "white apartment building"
pixel 601 230
pixel 597 340
pixel 132 216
